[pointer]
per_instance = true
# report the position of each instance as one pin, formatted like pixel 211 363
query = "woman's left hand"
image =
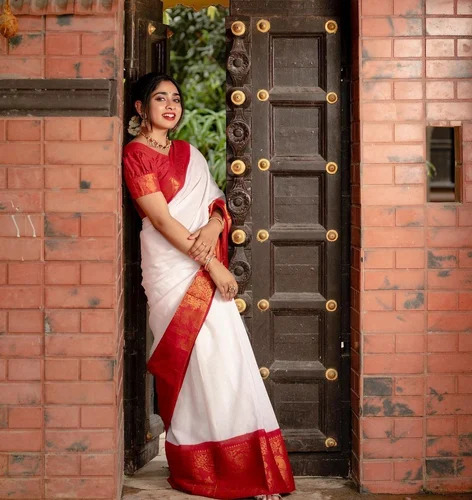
pixel 205 241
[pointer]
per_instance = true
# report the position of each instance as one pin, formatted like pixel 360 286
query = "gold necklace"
pixel 152 142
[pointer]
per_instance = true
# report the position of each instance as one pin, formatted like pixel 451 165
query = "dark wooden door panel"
pixel 297 200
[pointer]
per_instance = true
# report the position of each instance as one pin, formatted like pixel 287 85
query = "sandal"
pixel 273 496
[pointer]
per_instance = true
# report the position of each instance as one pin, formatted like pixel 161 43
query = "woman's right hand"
pixel 223 279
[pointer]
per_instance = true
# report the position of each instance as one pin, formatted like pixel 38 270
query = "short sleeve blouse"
pixel 147 171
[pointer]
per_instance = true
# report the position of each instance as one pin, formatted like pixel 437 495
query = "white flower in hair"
pixel 134 126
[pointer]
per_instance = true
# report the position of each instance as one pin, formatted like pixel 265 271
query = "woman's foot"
pixel 274 496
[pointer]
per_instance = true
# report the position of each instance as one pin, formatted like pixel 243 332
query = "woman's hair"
pixel 144 87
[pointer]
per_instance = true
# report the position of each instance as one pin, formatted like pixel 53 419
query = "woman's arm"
pixel 154 205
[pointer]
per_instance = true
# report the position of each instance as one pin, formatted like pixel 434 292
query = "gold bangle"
pixel 207 263
pixel 219 220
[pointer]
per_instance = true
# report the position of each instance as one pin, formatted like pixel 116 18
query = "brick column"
pixel 414 257
pixel 61 342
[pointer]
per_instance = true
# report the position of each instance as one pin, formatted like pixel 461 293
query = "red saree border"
pixel 252 464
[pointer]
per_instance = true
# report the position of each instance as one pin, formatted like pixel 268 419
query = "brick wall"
pixel 61 343
pixel 412 296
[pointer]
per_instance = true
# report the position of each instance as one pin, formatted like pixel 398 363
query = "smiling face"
pixel 165 109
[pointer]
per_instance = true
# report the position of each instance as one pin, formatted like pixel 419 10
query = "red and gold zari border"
pixel 248 465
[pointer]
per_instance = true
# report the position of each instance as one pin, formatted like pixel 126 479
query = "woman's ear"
pixel 139 108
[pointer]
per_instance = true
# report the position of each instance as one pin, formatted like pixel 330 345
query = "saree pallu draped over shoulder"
pixel 222 437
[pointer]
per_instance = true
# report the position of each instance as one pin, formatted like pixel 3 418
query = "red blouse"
pixel 147 171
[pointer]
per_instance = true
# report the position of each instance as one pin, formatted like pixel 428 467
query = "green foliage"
pixel 197 62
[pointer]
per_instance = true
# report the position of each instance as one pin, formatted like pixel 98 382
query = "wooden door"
pixel 145 51
pixel 284 124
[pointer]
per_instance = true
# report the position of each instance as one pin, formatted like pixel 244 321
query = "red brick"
pixel 449 404
pixel 440 426
pixel 62 44
pixel 442 301
pixel 464 383
pixel 3 372
pixel 408 470
pixel 393 322
pixel 98 44
pixel 392 195
pixel 373 8
pixel 464 7
pixel 409 216
pixel 80 67
pixel 62 321
pixel 80 345
pixel 23 130
pixel 98 225
pixel 97 465
pixel 98 417
pixel 439 7
pixel 465 301
pixel 378 216
pixel 408 427
pixel 25 178
pixel 440 384
pixel 373 427
pixel 20 297
pixel 81 23
pixel 465 342
pixel 442 342
pixel 409 174
pixel 464 47
pixel 76 440
pixel 25 417
pixel 62 225
pixel 378 259
pixel 24 369
pixel 465 258
pixel 393 280
pixel 385 448
pixel 20 345
pixel 25 321
pixel 440 90
pixel 440 47
pixel 409 386
pixel 20 393
pixel 97 321
pixel 450 485
pixel 449 237
pixel 83 488
pixel 410 343
pixel 450 111
pixel 409 47
pixel 30 23
pixel 80 249
pixel 21 487
pixel 372 48
pixel 62 129
pixel 21 201
pixel 84 200
pixel 450 363
pixel 97 369
pixel 393 363
pixel 442 259
pixel 378 301
pixel 79 393
pixel 409 132
pixel 62 273
pixel 3 273
pixel 21 67
pixel 24 465
pixel 97 129
pixel 376 174
pixel 409 301
pixel 62 369
pixel 391 26
pixel 447 68
pixel 79 296
pixel 97 273
pixel 393 406
pixel 449 321
pixel 99 177
pixel 62 465
pixel 377 132
pixel 380 343
pixel 377 470
pixel 464 424
pixel 395 153
pixel 408 90
pixel 375 90
pixel 452 26
pixel 62 417
pixel 18 441
pixel 71 153
pixel 62 177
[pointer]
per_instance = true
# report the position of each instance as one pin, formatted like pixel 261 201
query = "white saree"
pixel 222 439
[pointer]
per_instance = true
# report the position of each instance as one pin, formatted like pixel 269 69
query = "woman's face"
pixel 165 108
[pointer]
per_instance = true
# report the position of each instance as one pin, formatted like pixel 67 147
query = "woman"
pixel 222 437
